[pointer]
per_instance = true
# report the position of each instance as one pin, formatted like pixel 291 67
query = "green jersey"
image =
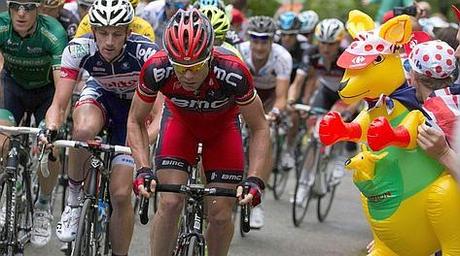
pixel 30 60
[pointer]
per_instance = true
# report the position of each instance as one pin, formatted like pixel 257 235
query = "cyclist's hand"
pixel 46 137
pixel 138 183
pixel 274 114
pixel 253 197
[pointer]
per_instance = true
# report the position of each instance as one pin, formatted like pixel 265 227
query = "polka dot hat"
pixel 433 58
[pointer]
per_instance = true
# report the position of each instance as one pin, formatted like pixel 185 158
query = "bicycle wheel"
pixel 82 246
pixel 325 199
pixel 195 247
pixel 303 192
pixel 280 176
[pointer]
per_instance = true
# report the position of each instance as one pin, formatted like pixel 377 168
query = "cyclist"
pixel 221 24
pixel 158 13
pixel 205 88
pixel 271 65
pixel 79 8
pixel 113 57
pixel 32 46
pixel 298 46
pixel 139 25
pixel 55 9
pixel 324 77
pixel 308 21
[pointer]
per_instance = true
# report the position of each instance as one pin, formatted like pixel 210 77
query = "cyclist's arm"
pixel 296 87
pixel 55 116
pixel 259 144
pixel 282 87
pixel 154 127
pixel 137 132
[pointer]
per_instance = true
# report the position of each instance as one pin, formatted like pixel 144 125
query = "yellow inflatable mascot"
pixel 412 204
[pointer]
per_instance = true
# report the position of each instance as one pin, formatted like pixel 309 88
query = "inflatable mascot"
pixel 412 204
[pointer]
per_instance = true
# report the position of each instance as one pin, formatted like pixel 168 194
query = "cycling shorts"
pixel 18 100
pixel 222 152
pixel 114 109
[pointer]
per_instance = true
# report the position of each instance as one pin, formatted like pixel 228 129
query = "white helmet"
pixel 111 13
pixel 330 31
pixel 308 20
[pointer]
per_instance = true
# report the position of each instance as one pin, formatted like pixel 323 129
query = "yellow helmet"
pixel 52 3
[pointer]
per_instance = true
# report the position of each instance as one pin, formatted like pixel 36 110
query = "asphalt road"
pixel 345 231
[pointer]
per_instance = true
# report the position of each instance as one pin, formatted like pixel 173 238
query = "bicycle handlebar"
pixel 16 130
pixel 195 190
pixel 309 109
pixel 92 145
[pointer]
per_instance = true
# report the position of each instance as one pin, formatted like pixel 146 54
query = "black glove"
pixel 256 186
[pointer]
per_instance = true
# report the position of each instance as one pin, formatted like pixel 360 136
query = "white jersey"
pixel 278 66
pixel 73 8
pixel 154 13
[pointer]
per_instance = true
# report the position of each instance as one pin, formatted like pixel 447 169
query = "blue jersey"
pixel 120 76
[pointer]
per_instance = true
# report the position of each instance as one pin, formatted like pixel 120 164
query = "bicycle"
pixel 314 177
pixel 17 179
pixel 93 232
pixel 191 240
pixel 278 133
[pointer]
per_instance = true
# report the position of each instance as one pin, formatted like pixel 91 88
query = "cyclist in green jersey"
pixel 32 46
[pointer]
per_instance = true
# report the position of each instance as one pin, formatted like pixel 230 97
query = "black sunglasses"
pixel 28 6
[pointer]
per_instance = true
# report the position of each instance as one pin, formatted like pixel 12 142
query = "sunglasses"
pixel 27 6
pixel 262 37
pixel 195 67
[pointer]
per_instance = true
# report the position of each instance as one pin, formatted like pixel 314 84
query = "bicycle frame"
pixel 19 207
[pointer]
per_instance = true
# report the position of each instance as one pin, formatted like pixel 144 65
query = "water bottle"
pixel 102 210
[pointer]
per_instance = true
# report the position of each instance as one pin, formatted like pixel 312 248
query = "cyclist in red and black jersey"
pixel 205 89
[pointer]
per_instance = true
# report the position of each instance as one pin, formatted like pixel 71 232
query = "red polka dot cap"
pixel 364 50
pixel 433 58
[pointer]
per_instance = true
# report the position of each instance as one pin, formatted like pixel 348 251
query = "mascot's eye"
pixel 378 59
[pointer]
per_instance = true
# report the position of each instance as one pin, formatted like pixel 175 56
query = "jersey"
pixel 278 66
pixel 329 77
pixel 299 53
pixel 155 14
pixel 228 84
pixel 119 76
pixel 30 61
pixel 138 26
pixel 69 22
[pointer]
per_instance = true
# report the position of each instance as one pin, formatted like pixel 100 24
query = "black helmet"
pixel 262 25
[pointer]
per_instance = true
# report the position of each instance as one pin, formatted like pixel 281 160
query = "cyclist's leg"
pixel 176 150
pixel 122 218
pixel 13 96
pixel 223 161
pixel 88 121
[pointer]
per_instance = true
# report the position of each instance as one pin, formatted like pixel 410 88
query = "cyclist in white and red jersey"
pixel 205 89
pixel 269 63
pixel 113 58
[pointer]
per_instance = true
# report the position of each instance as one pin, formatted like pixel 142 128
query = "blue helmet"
pixel 288 22
pixel 217 3
pixel 308 20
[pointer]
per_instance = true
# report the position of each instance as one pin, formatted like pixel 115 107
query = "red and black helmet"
pixel 188 37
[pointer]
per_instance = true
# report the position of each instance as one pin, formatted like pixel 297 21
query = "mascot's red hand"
pixel 333 129
pixel 381 135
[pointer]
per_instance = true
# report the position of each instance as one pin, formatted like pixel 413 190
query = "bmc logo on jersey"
pixel 161 73
pixel 230 78
pixel 199 104
pixel 144 52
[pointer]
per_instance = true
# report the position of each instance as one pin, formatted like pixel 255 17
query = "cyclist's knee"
pixel 84 132
pixel 171 204
pixel 120 197
pixel 220 214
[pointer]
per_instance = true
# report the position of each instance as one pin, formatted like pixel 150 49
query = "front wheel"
pixel 195 247
pixel 303 192
pixel 83 240
pixel 325 199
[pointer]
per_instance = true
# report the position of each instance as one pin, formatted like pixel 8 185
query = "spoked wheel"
pixel 303 192
pixel 83 241
pixel 325 199
pixel 195 247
